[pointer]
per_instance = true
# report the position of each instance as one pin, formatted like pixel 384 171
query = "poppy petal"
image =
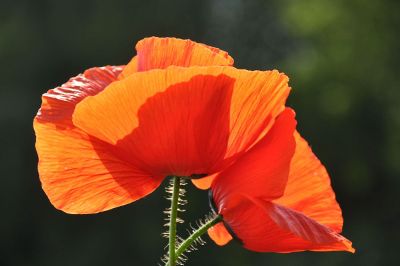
pixel 263 170
pixel 159 53
pixel 81 174
pixel 219 234
pixel 309 189
pixel 58 104
pixel 179 120
pixel 267 227
pixel 170 122
pixel 254 109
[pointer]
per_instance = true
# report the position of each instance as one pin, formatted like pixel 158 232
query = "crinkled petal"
pixel 58 104
pixel 267 227
pixel 79 173
pixel 160 53
pixel 157 52
pixel 185 121
pixel 263 170
pixel 309 188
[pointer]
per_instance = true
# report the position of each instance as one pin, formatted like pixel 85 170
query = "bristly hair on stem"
pixel 181 203
pixel 177 247
pixel 194 240
pixel 175 192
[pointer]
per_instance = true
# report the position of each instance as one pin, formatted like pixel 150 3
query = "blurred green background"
pixel 343 60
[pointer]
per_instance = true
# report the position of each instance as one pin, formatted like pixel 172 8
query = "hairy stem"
pixel 196 234
pixel 172 222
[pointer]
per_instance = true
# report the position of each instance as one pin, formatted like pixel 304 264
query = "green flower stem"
pixel 196 234
pixel 172 222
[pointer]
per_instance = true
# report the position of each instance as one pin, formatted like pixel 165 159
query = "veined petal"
pixel 267 227
pixel 173 121
pixel 185 121
pixel 79 173
pixel 82 175
pixel 160 53
pixel 254 109
pixel 58 104
pixel 263 170
pixel 309 189
pixel 253 112
pixel 156 52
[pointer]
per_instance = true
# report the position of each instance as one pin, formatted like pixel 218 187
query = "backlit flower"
pixel 109 136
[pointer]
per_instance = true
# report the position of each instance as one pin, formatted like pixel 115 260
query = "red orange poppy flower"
pixel 110 136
